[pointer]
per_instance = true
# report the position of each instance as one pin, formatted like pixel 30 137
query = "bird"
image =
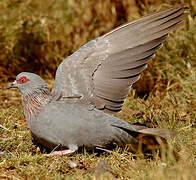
pixel 91 84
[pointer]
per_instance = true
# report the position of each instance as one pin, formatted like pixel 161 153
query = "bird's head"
pixel 28 83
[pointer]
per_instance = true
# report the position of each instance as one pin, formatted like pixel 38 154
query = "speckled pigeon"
pixel 92 83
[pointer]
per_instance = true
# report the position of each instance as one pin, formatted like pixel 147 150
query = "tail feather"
pixel 164 133
pixel 149 140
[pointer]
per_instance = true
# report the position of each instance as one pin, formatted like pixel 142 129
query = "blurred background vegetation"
pixel 36 35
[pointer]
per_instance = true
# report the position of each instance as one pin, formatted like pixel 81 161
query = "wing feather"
pixel 103 70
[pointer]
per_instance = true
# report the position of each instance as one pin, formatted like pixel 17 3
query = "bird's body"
pixel 94 81
pixel 72 124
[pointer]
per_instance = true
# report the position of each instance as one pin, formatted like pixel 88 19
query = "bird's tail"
pixel 164 133
pixel 150 140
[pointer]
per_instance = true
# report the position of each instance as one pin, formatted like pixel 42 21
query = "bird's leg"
pixel 72 149
pixel 61 153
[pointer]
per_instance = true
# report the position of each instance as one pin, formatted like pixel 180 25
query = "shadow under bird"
pixel 92 83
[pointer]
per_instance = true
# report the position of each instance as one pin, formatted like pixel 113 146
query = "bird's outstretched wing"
pixel 103 70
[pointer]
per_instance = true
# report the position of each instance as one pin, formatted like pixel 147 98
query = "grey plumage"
pixel 104 69
pixel 70 124
pixel 94 80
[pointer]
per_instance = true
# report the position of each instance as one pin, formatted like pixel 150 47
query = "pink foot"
pixel 63 152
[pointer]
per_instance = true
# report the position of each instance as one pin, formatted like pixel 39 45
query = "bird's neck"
pixel 35 101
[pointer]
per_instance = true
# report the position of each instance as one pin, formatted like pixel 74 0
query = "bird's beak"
pixel 12 85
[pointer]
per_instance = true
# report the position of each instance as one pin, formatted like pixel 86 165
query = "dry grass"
pixel 36 38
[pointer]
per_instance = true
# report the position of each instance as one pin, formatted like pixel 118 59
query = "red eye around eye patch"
pixel 22 80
